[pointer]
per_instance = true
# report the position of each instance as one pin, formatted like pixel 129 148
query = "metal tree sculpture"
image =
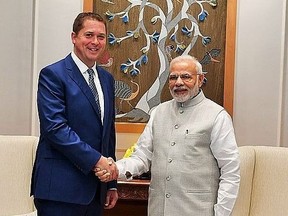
pixel 169 26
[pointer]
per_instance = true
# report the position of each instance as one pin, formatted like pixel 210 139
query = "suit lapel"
pixel 107 105
pixel 75 74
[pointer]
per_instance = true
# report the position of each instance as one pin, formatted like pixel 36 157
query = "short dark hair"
pixel 79 20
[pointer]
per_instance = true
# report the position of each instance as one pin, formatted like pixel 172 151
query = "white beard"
pixel 184 97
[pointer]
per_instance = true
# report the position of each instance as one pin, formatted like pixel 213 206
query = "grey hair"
pixel 188 58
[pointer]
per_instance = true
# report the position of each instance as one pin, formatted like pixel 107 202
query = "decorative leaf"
pixel 206 40
pixel 129 33
pixel 202 16
pixel 125 18
pixel 155 37
pixel 173 37
pixel 110 16
pixel 136 35
pixel 124 68
pixel 213 3
pixel 185 30
pixel 111 39
pixel 145 59
pixel 138 63
pixel 180 48
pixel 134 72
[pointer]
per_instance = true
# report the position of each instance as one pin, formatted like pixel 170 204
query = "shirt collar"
pixel 82 67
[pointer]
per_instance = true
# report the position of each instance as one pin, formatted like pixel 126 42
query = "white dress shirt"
pixel 83 69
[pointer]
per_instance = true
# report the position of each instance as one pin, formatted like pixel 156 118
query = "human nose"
pixel 179 81
pixel 95 40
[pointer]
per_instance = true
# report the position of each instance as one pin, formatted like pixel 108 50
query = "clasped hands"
pixel 106 169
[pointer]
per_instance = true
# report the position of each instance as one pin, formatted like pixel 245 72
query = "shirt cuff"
pixel 112 189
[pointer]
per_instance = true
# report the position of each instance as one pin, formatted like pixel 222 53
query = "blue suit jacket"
pixel 72 137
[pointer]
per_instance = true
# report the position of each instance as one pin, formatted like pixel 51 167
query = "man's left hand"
pixel 111 199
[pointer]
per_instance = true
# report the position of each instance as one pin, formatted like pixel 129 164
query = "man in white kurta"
pixel 189 145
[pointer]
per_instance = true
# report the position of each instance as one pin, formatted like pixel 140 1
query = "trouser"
pixel 55 208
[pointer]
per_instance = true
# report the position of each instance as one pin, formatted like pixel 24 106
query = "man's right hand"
pixel 106 169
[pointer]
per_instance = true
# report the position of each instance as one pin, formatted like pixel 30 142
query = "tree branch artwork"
pixel 168 45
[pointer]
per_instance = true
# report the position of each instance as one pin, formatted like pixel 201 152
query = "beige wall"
pixel 53 26
pixel 37 32
pixel 259 99
pixel 16 37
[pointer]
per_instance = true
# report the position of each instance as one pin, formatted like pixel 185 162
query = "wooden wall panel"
pixel 219 25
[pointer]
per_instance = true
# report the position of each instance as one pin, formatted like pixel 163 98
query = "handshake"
pixel 106 169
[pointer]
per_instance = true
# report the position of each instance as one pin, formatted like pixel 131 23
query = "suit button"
pixel 168 195
pixel 168 178
pixel 170 160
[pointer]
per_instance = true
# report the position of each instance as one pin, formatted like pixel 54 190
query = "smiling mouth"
pixel 93 49
pixel 180 91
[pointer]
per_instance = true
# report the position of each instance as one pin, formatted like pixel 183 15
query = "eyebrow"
pixel 176 74
pixel 92 32
pixel 102 34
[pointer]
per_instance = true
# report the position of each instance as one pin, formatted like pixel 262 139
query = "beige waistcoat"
pixel 185 175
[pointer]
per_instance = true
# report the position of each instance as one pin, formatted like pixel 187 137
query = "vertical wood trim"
pixel 229 67
pixel 87 5
pixel 123 127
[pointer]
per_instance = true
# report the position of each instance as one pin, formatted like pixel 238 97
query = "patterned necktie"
pixel 93 89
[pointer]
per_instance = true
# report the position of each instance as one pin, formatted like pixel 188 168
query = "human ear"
pixel 201 79
pixel 73 36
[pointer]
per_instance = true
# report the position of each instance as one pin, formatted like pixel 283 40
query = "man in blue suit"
pixel 77 131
